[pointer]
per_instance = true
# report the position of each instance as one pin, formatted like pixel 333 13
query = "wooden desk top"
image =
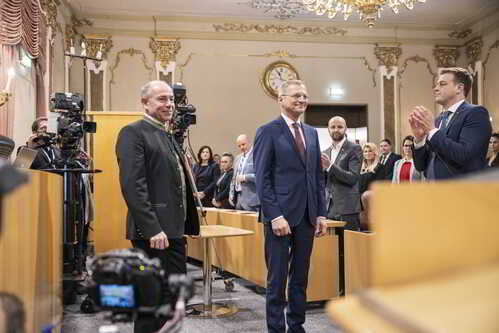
pixel 216 231
pixel 467 302
pixel 335 224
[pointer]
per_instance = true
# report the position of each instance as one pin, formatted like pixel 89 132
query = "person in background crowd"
pixel 455 143
pixel 243 187
pixel 217 158
pixel 48 153
pixel 206 174
pixel 387 157
pixel 493 158
pixel 404 169
pixel 221 197
pixel 341 163
pixel 371 169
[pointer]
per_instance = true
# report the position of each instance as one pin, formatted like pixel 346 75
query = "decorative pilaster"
pixel 446 56
pixel 165 50
pixel 97 46
pixel 388 58
pixel 475 66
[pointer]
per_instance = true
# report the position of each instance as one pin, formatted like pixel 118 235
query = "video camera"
pixel 70 124
pixel 128 283
pixel 184 113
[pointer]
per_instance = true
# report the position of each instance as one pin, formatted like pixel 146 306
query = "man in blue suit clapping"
pixel 456 142
pixel 290 185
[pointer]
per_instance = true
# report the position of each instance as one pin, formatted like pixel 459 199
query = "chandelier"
pixel 282 9
pixel 369 10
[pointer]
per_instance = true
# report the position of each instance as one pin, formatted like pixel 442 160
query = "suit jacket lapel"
pixel 456 114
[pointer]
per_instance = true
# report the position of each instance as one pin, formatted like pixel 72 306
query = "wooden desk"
pixel 464 302
pixel 337 227
pixel 31 248
pixel 207 233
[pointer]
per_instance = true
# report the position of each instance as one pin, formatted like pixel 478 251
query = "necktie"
pixel 299 141
pixel 382 161
pixel 444 119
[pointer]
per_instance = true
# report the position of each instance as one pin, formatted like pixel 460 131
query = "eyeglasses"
pixel 297 96
pixel 408 146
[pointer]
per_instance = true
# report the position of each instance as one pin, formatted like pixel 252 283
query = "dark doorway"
pixel 318 115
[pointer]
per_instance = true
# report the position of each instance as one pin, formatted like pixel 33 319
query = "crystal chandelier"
pixel 282 9
pixel 369 10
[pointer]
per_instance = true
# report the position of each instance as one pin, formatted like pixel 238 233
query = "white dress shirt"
pixel 290 123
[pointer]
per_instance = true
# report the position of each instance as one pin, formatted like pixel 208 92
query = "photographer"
pixel 42 141
pixel 154 185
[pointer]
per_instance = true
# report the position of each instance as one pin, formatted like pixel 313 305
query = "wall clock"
pixel 275 74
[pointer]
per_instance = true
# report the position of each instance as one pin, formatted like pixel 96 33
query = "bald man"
pixel 243 188
pixel 341 163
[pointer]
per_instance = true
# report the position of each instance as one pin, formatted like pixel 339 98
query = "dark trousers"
pixel 287 255
pixel 352 220
pixel 173 261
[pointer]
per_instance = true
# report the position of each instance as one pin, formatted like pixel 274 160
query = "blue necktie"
pixel 444 119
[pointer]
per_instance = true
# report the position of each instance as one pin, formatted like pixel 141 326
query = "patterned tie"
pixel 299 141
pixel 444 119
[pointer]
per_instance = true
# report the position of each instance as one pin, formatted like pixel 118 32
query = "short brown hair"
pixel 461 75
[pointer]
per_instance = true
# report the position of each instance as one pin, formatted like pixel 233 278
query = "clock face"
pixel 275 74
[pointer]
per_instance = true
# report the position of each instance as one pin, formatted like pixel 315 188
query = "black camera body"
pixel 184 113
pixel 128 282
pixel 71 125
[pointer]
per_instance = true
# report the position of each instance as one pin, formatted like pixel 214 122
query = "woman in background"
pixel 206 174
pixel 222 188
pixel 404 169
pixel 371 170
pixel 493 158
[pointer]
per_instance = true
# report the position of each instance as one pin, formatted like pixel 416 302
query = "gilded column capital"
pixel 387 55
pixel 446 56
pixel 474 49
pixel 164 49
pixel 95 43
pixel 72 34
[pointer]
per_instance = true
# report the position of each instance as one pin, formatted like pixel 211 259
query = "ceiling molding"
pixel 269 37
pixel 246 20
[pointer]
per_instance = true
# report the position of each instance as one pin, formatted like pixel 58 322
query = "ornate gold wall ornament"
pixel 416 59
pixel 4 97
pixel 278 53
pixel 278 29
pixel 474 49
pixel 49 9
pixel 95 43
pixel 446 56
pixel 72 33
pixel 387 55
pixel 131 52
pixel 456 34
pixel 164 49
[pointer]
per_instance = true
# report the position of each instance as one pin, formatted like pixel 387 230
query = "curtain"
pixel 20 23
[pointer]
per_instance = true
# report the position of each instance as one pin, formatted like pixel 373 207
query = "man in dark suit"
pixel 290 185
pixel 388 158
pixel 455 143
pixel 341 163
pixel 222 186
pixel 157 192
